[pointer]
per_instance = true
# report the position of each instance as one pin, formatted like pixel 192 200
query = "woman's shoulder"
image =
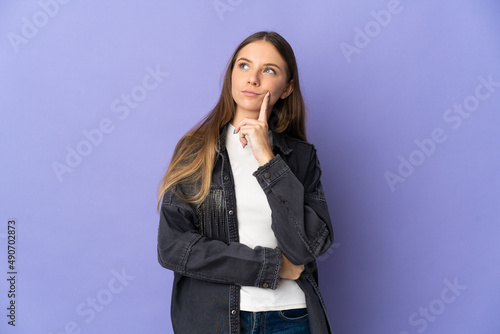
pixel 295 145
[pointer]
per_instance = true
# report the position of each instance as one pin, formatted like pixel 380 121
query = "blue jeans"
pixel 275 322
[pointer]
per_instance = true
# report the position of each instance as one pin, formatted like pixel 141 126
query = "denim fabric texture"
pixel 295 321
pixel 199 243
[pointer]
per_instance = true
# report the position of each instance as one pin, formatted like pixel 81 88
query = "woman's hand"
pixel 290 270
pixel 257 132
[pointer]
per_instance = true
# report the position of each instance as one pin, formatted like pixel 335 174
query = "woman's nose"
pixel 253 78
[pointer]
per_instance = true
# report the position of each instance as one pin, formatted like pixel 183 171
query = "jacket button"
pixel 231 212
pixel 267 175
pixel 233 312
pixel 226 177
pixel 265 285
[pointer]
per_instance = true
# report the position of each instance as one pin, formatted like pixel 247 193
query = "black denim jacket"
pixel 200 242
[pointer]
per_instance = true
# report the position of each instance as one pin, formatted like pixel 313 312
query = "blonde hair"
pixel 195 154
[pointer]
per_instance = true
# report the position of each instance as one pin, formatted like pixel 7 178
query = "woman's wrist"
pixel 265 158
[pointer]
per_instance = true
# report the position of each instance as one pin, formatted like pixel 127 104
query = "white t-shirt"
pixel 254 226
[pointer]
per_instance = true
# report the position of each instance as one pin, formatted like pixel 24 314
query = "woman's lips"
pixel 249 93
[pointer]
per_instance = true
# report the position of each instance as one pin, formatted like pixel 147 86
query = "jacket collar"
pixel 278 139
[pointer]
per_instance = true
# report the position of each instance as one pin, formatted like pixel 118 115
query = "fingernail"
pixel 267 95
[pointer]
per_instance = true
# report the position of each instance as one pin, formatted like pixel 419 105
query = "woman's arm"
pixel 183 249
pixel 300 217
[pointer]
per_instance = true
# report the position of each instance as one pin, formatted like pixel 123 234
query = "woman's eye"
pixel 269 70
pixel 244 66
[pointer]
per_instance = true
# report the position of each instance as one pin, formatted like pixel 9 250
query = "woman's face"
pixel 259 68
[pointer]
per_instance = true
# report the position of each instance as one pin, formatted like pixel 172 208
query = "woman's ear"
pixel 288 90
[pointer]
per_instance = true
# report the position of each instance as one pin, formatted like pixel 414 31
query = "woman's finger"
pixel 244 122
pixel 263 108
pixel 243 140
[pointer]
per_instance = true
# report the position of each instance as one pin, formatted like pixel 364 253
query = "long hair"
pixel 195 154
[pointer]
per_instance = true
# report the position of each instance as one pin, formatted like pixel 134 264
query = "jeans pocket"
pixel 298 314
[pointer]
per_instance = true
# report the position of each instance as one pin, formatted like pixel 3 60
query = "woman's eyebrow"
pixel 249 61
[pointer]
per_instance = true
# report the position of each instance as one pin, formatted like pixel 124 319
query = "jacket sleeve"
pixel 184 250
pixel 300 217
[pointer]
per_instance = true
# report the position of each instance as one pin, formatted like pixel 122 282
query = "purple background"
pixel 397 250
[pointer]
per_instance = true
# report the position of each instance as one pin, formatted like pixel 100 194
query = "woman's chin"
pixel 249 109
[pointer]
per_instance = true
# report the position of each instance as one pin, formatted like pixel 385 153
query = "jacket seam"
pixel 277 268
pixel 315 196
pixel 315 286
pixel 292 217
pixel 320 236
pixel 261 272
pixel 187 252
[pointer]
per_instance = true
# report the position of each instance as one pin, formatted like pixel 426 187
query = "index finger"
pixel 263 108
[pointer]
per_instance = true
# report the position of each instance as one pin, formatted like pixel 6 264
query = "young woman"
pixel 243 215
